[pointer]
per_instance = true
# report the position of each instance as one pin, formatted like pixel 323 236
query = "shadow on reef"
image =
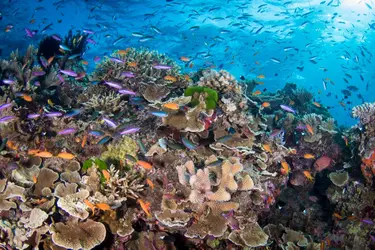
pixel 151 158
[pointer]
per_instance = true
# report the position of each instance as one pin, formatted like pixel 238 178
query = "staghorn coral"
pixel 123 185
pixel 365 112
pixel 78 235
pixel 105 102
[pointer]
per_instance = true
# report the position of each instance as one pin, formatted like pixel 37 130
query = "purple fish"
pixel 33 116
pixel 372 238
pixel 126 92
pixel 44 61
pixel 114 59
pixel 96 59
pixel 5 105
pixel 88 31
pixel 110 123
pixel 301 127
pixel 128 74
pixel 53 114
pixel 67 131
pixel 60 78
pixel 56 38
pixel 39 73
pixel 5 119
pixel 162 66
pixel 8 81
pixel 37 83
pixel 68 72
pixel 287 108
pixel 89 40
pixel 113 84
pixel 29 33
pixel 370 222
pixel 129 131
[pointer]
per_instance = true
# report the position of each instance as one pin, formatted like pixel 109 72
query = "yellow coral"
pixel 117 150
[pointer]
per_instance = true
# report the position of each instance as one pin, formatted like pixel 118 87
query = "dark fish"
pixel 104 140
pixel 352 88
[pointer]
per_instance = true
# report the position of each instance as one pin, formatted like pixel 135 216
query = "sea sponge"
pixel 78 235
pixel 117 150
pixel 339 178
pixel 210 96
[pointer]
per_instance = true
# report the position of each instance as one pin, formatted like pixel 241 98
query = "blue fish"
pixel 104 140
pixel 188 144
pixel 96 133
pixel 159 113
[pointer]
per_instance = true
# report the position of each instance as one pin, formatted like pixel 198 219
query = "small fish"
pixel 5 106
pixel 104 140
pixel 275 60
pixel 145 206
pixel 35 179
pixel 144 164
pixel 171 105
pixel 8 118
pixel 90 205
pixel 11 145
pixel 285 168
pixel 258 92
pixel 309 129
pixel 110 123
pixel 65 155
pixel 96 133
pixel 53 114
pixel 130 158
pixel 113 85
pixel 266 104
pixel 308 175
pixel 67 131
pixel 69 73
pixel 267 147
pixel 106 175
pixel 170 78
pixel 184 59
pixel 84 140
pixel 8 81
pixel 128 74
pixel 366 221
pixel 187 143
pixel 44 154
pixel 33 116
pixel 132 64
pixel 103 206
pixel 150 183
pixel 126 92
pixel 214 163
pixel 159 113
pixel 316 104
pixel 131 130
pixel 308 156
pixel 161 66
pixel 337 215
pixel 64 47
pixel 261 76
pixel 287 108
pixel 73 112
pixel 224 138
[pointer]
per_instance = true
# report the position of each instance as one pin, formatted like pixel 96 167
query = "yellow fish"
pixel 267 147
pixel 285 168
pixel 44 154
pixel 261 76
pixel 65 155
pixel 171 105
pixel 308 175
pixel 309 156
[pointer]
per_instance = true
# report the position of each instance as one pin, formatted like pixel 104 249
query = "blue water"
pixel 327 38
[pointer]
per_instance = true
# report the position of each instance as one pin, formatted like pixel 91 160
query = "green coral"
pixel 118 150
pixel 212 96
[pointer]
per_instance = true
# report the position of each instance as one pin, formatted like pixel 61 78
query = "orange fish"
pixel 90 205
pixel 191 65
pixel 285 168
pixel 103 206
pixel 123 52
pixel 308 175
pixel 32 21
pixel 132 64
pixel 338 216
pixel 145 207
pixel 84 140
pixel 317 104
pixel 291 102
pixel 184 59
pixel 309 129
pixel 258 92
pixel 144 165
pixel 35 179
pixel 106 175
pixel 65 155
pixel 257 63
pixel 266 104
pixel 51 59
pixel 11 145
pixel 44 154
pixel 27 98
pixel 308 156
pixel 85 62
pixel 187 77
pixel 171 105
pixel 261 76
pixel 293 151
pixel 267 147
pixel 150 183
pixel 33 151
pixel 170 78
pixel 346 140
